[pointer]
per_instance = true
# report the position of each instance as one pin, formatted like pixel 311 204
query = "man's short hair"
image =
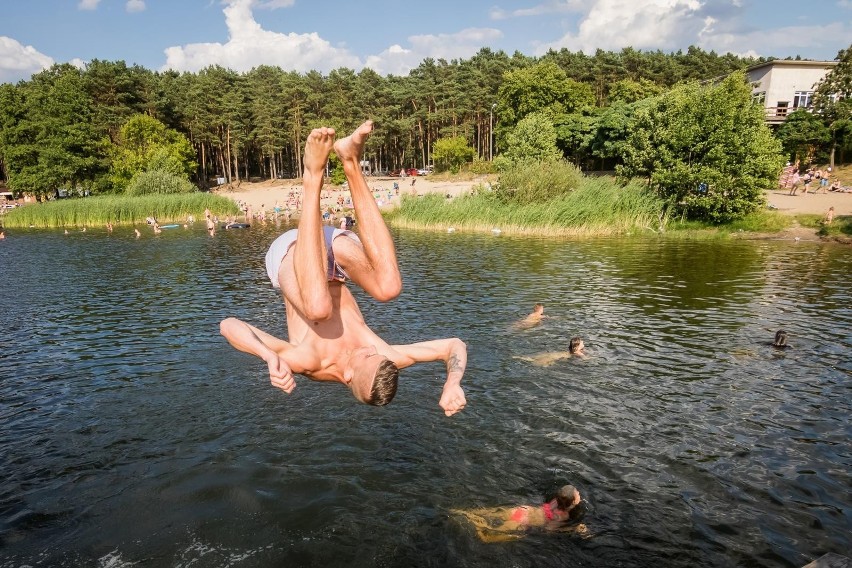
pixel 385 382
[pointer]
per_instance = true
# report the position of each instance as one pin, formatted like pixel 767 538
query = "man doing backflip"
pixel 328 339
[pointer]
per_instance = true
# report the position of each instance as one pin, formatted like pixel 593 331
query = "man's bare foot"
pixel 352 147
pixel 317 148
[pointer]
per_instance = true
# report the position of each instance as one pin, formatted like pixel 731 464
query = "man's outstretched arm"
pixel 453 352
pixel 249 339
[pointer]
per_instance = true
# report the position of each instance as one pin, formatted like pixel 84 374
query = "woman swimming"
pixel 562 513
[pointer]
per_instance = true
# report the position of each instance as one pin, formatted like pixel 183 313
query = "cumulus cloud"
pixel 249 45
pixel 397 60
pixel 20 62
pixel 88 4
pixel 642 24
pixel 785 40
pixel 670 25
pixel 135 5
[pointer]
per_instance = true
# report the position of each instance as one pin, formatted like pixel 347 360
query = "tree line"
pixel 63 127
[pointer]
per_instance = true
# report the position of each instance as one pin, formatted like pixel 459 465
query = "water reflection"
pixel 134 434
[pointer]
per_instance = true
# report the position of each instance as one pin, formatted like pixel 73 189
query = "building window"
pixel 802 99
pixel 781 109
pixel 759 97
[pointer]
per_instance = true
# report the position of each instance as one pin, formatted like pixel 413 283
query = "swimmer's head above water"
pixel 576 345
pixel 780 339
pixel 567 497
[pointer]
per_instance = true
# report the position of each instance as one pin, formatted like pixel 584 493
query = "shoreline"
pixel 265 193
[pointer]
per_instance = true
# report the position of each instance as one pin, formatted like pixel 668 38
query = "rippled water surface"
pixel 134 435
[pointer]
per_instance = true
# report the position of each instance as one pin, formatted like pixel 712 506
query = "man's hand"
pixel 280 374
pixel 452 399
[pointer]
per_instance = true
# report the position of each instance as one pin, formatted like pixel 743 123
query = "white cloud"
pixel 20 62
pixel 88 4
pixel 135 5
pixel 275 4
pixel 249 45
pixel 642 24
pixel 779 40
pixel 670 25
pixel 397 60
pixel 552 7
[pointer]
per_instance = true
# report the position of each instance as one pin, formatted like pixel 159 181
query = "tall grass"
pixel 598 206
pixel 118 209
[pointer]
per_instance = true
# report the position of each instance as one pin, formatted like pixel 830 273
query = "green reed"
pixel 118 209
pixel 599 206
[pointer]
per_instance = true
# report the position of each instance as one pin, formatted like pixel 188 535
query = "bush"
pixel 706 150
pixel 481 167
pixel 537 181
pixel 158 182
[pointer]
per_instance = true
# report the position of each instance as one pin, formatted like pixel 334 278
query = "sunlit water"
pixel 132 434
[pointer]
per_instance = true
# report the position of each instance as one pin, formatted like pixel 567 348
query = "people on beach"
pixel 328 337
pixel 806 181
pixel 795 182
pixel 829 215
pixel 499 524
pixel 533 319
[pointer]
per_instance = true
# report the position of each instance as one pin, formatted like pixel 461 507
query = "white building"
pixel 783 86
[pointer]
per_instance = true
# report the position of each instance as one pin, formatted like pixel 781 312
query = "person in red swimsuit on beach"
pixel 496 524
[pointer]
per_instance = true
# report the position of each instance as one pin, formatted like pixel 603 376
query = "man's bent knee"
pixel 388 289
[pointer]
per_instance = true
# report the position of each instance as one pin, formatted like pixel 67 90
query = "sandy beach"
pixel 263 195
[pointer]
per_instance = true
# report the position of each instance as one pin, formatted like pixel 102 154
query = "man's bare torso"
pixel 318 344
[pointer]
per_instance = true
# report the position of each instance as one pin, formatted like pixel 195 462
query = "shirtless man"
pixel 533 319
pixel 576 348
pixel 328 338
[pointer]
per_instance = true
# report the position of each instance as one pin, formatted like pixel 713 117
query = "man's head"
pixel 576 345
pixel 780 339
pixel 538 309
pixel 373 378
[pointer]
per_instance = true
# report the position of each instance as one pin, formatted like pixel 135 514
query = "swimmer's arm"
pixel 453 352
pixel 249 339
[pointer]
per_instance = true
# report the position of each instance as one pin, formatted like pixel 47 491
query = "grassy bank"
pixel 117 209
pixel 597 207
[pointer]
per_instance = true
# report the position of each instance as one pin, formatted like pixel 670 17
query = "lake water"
pixel 132 434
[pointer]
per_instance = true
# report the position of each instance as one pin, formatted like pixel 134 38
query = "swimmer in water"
pixel 498 524
pixel 780 340
pixel 533 319
pixel 576 348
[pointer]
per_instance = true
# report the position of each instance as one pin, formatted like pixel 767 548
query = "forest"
pixel 63 128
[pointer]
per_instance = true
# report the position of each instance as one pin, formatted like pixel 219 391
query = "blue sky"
pixel 301 35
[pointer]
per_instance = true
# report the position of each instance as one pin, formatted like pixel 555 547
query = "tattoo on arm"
pixel 453 364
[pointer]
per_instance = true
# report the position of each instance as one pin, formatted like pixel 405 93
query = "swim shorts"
pixel 281 246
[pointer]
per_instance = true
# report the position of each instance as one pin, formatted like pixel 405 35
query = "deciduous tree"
pixel 706 149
